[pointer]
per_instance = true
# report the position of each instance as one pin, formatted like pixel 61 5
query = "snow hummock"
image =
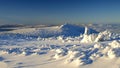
pixel 97 37
pixel 114 50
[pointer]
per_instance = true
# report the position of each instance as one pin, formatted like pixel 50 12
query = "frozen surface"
pixel 65 46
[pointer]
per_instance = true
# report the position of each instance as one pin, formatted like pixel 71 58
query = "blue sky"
pixel 59 11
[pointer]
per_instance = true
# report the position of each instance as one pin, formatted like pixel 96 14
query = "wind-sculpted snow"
pixel 66 30
pixel 82 55
pixel 76 54
pixel 65 45
pixel 100 37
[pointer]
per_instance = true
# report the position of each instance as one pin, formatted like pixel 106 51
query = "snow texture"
pixel 68 45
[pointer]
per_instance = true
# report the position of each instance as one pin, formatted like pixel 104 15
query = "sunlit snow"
pixel 64 46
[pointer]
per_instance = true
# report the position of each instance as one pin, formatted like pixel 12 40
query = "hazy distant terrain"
pixel 98 27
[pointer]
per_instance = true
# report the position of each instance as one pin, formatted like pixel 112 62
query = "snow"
pixel 65 46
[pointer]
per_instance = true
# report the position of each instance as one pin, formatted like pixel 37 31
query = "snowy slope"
pixel 65 30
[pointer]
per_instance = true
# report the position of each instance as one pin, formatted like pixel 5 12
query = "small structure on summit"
pixel 86 32
pixel 88 37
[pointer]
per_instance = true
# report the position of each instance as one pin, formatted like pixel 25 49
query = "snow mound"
pixel 115 44
pixel 74 30
pixel 114 49
pixel 105 35
pixel 102 36
pixel 89 38
pixel 66 30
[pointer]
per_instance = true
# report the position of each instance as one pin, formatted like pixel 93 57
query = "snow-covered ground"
pixel 65 46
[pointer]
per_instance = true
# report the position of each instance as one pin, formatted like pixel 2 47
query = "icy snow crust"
pixel 68 46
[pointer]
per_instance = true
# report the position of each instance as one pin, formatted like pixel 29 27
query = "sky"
pixel 59 11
